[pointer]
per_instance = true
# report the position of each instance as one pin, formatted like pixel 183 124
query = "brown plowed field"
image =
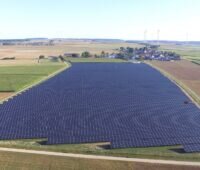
pixel 5 95
pixel 185 71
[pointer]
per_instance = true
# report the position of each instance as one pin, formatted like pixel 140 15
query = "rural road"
pixel 152 161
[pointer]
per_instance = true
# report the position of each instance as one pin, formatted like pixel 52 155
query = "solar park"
pixel 128 105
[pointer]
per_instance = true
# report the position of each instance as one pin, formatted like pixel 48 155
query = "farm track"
pixel 109 158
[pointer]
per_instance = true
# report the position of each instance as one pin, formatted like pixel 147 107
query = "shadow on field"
pixel 178 150
pixel 44 142
pixel 104 146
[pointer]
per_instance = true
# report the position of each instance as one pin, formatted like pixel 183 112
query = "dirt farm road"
pixel 111 158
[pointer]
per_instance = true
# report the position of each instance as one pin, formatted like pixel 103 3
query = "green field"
pixel 103 60
pixel 167 152
pixel 22 161
pixel 10 161
pixel 15 78
pixel 186 51
pixel 196 61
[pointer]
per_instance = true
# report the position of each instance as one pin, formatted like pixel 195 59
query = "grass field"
pixel 10 161
pixel 15 78
pixel 165 153
pixel 196 62
pixel 189 52
pixel 104 60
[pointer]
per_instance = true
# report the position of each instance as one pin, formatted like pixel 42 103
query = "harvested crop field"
pixel 185 71
pixel 28 55
pixel 32 52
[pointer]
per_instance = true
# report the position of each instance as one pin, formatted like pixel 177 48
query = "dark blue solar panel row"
pixel 129 105
pixel 192 148
pixel 154 142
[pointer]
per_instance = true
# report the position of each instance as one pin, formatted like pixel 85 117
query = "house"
pixel 112 56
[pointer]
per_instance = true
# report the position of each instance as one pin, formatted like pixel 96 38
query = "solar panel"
pixel 189 148
pixel 126 104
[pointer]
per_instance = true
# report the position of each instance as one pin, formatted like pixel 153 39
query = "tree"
pixel 129 50
pixel 103 54
pixel 41 57
pixel 61 58
pixel 121 48
pixel 85 54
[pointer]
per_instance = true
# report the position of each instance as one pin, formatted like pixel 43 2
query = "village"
pixel 149 52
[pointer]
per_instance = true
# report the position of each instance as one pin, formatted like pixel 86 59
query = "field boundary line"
pixel 109 158
pixel 67 65
pixel 185 89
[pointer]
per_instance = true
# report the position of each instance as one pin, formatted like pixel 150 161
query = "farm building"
pixel 112 56
pixel 74 55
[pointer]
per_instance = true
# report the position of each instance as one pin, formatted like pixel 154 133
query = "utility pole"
pixel 145 36
pixel 187 38
pixel 158 37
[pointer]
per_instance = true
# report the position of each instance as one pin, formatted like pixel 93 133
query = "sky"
pixel 116 19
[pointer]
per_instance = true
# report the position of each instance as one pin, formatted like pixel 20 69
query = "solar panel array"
pixel 192 148
pixel 129 105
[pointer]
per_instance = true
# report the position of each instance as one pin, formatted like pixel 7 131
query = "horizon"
pixel 125 40
pixel 176 20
